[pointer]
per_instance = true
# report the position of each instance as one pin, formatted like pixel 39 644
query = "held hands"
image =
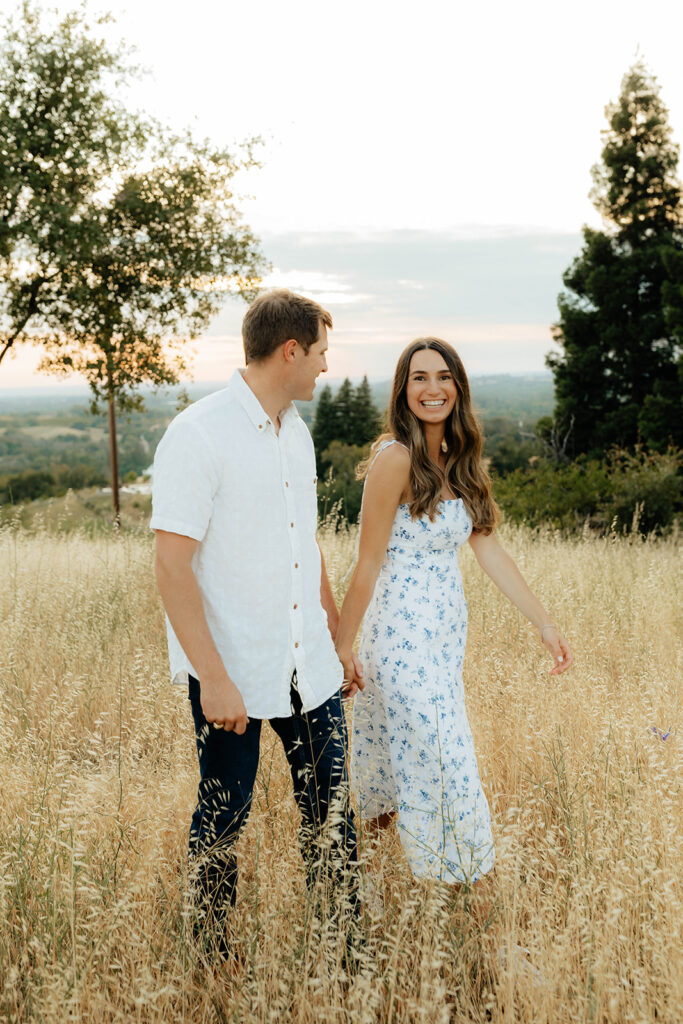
pixel 353 674
pixel 558 647
pixel 223 706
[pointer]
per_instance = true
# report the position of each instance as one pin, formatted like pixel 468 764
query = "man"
pixel 250 611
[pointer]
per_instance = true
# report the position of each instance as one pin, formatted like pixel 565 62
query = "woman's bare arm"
pixel 384 486
pixel 497 564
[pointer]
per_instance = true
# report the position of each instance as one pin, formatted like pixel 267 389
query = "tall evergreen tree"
pixel 323 424
pixel 620 324
pixel 343 412
pixel 365 422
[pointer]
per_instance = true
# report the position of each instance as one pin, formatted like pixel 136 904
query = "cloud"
pixel 492 293
pixel 323 287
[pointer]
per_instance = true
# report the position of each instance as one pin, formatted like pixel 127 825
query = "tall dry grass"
pixel 98 773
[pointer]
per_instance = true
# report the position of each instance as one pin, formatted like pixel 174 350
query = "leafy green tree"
pixel 61 137
pixel 165 251
pixel 155 251
pixel 620 325
pixel 365 421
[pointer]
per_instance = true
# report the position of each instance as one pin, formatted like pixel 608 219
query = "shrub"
pixel 340 489
pixel 26 486
pixel 632 489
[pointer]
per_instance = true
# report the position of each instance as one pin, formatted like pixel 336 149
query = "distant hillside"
pixel 50 429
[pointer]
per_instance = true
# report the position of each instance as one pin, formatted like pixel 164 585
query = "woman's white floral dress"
pixel 412 748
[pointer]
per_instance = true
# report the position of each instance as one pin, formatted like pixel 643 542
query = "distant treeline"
pixel 44 453
pixel 48 445
pixel 16 488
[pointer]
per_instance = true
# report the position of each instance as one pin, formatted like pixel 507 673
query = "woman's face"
pixel 431 390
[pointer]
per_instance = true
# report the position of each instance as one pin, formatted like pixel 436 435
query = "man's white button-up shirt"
pixel 225 478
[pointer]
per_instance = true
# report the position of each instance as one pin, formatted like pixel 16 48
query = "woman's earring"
pixel 444 446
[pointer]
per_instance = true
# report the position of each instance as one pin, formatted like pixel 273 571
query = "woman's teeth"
pixel 441 402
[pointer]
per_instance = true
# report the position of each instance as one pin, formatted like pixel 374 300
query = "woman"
pixel 426 493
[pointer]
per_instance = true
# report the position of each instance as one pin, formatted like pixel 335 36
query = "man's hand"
pixel 353 674
pixel 222 705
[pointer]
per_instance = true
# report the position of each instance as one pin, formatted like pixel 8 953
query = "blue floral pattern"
pixel 412 747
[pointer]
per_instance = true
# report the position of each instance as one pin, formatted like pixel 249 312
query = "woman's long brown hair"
pixel 464 473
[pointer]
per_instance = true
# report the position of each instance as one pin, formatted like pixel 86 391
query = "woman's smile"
pixel 431 391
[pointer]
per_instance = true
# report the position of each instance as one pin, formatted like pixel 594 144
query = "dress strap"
pixel 381 447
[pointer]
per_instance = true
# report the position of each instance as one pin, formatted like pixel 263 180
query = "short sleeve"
pixel 184 481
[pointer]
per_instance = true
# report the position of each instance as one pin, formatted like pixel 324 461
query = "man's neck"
pixel 269 392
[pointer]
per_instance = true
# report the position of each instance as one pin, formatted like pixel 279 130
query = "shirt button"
pixel 291 524
pixel 260 426
pixel 296 605
pixel 286 483
pixel 296 644
pixel 315 479
pixel 296 565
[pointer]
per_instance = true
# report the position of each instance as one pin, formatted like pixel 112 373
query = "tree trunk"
pixel 114 458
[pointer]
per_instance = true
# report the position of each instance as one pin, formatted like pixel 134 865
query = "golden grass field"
pixel 98 773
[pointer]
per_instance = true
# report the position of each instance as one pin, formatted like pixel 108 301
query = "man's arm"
pixel 221 700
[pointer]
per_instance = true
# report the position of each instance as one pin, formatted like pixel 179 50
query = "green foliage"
pixel 324 426
pixel 342 406
pixel 343 428
pixel 165 253
pixel 118 243
pixel 628 489
pixel 621 317
pixel 508 445
pixel 350 416
pixel 76 439
pixel 32 483
pixel 365 422
pixel 339 493
pixel 61 137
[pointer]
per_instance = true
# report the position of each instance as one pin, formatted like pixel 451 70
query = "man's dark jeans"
pixel 315 744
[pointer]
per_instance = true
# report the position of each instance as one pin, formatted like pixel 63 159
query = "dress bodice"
pixel 420 541
pixel 449 530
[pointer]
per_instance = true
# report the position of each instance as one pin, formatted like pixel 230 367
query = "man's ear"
pixel 289 350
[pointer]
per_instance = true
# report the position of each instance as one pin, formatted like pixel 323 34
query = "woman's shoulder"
pixel 389 466
pixel 390 452
pixel 387 476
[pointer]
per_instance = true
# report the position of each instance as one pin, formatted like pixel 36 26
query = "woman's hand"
pixel 558 647
pixel 353 673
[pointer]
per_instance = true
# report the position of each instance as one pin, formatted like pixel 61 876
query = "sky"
pixel 426 167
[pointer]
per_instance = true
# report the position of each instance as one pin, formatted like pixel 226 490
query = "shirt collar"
pixel 253 408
